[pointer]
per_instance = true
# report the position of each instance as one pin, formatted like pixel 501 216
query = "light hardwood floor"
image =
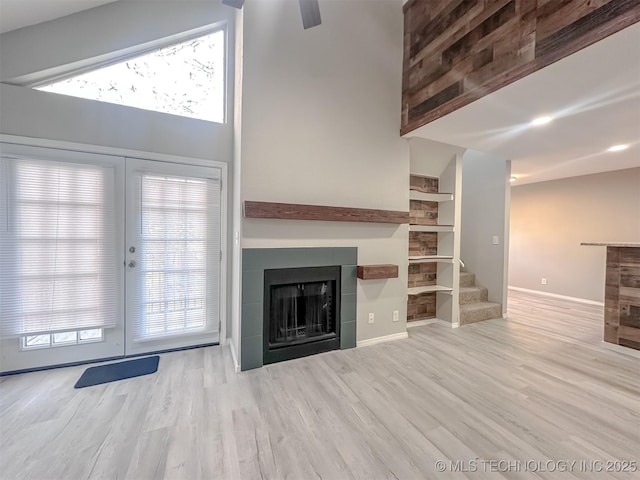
pixel 539 386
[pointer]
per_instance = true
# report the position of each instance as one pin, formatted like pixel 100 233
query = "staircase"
pixel 474 306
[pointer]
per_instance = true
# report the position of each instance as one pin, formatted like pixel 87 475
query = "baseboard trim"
pixel 419 323
pixel 234 356
pixel 555 295
pixel 444 323
pixel 431 321
pixel 105 359
pixel 386 338
pixel 621 349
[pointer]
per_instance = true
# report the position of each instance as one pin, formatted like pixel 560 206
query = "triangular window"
pixel 184 79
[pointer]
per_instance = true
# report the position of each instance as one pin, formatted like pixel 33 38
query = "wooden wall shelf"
pixel 375 272
pixel 292 211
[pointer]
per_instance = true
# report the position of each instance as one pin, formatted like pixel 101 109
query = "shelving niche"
pixel 434 246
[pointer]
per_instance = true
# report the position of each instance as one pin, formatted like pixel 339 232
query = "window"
pixel 58 256
pixel 184 79
pixel 178 231
pixel 62 339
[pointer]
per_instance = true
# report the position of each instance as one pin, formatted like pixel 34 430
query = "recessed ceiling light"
pixel 536 122
pixel 617 148
pixel 513 178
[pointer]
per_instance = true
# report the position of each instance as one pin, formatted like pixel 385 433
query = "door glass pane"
pixel 66 337
pixel 59 265
pixel 37 341
pixel 176 248
pixel 93 334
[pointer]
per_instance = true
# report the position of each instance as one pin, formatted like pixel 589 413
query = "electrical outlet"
pixel 543 281
pixel 371 318
pixel 396 316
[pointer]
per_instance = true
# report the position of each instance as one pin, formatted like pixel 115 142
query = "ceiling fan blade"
pixel 234 3
pixel 310 11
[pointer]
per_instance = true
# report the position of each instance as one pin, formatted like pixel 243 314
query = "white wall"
pixel 32 113
pixel 236 211
pixel 431 158
pixel 103 32
pixel 320 125
pixel 485 214
pixel 107 31
pixel 550 219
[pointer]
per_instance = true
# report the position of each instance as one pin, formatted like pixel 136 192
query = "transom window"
pixel 185 79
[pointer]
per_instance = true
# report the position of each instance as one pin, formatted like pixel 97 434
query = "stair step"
pixel 473 295
pixel 467 279
pixel 479 311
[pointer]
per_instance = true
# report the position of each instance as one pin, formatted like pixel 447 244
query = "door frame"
pixel 135 168
pixel 157 157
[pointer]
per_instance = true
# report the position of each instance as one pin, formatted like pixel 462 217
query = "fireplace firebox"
pixel 301 312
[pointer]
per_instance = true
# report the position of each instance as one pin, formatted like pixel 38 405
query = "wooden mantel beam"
pixel 293 211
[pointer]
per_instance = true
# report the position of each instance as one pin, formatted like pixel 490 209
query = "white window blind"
pixel 178 248
pixel 58 263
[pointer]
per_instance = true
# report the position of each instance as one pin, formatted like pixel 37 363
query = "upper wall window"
pixel 184 79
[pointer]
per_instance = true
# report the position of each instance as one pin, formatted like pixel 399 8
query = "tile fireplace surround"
pixel 256 260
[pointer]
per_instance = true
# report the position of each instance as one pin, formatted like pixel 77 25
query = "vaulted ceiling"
pixel 16 14
pixel 594 95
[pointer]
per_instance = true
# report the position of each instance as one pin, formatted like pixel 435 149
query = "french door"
pixel 103 256
pixel 173 256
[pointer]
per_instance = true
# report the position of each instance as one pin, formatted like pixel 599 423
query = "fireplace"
pixel 301 312
pixel 313 288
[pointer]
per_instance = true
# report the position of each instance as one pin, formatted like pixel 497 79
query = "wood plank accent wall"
pixel 292 211
pixel 423 184
pixel 422 274
pixel 423 213
pixel 421 307
pixel 622 297
pixel 457 51
pixel 423 243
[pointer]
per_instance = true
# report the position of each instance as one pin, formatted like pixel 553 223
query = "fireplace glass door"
pixel 301 311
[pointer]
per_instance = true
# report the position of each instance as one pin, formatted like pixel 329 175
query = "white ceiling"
pixel 16 14
pixel 594 96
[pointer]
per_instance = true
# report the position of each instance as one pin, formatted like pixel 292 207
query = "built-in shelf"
pixel 431 228
pixel 428 289
pixel 430 197
pixel 293 211
pixel 434 220
pixel 431 258
pixel 376 272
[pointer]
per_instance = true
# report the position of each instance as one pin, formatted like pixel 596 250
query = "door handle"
pixel 132 263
